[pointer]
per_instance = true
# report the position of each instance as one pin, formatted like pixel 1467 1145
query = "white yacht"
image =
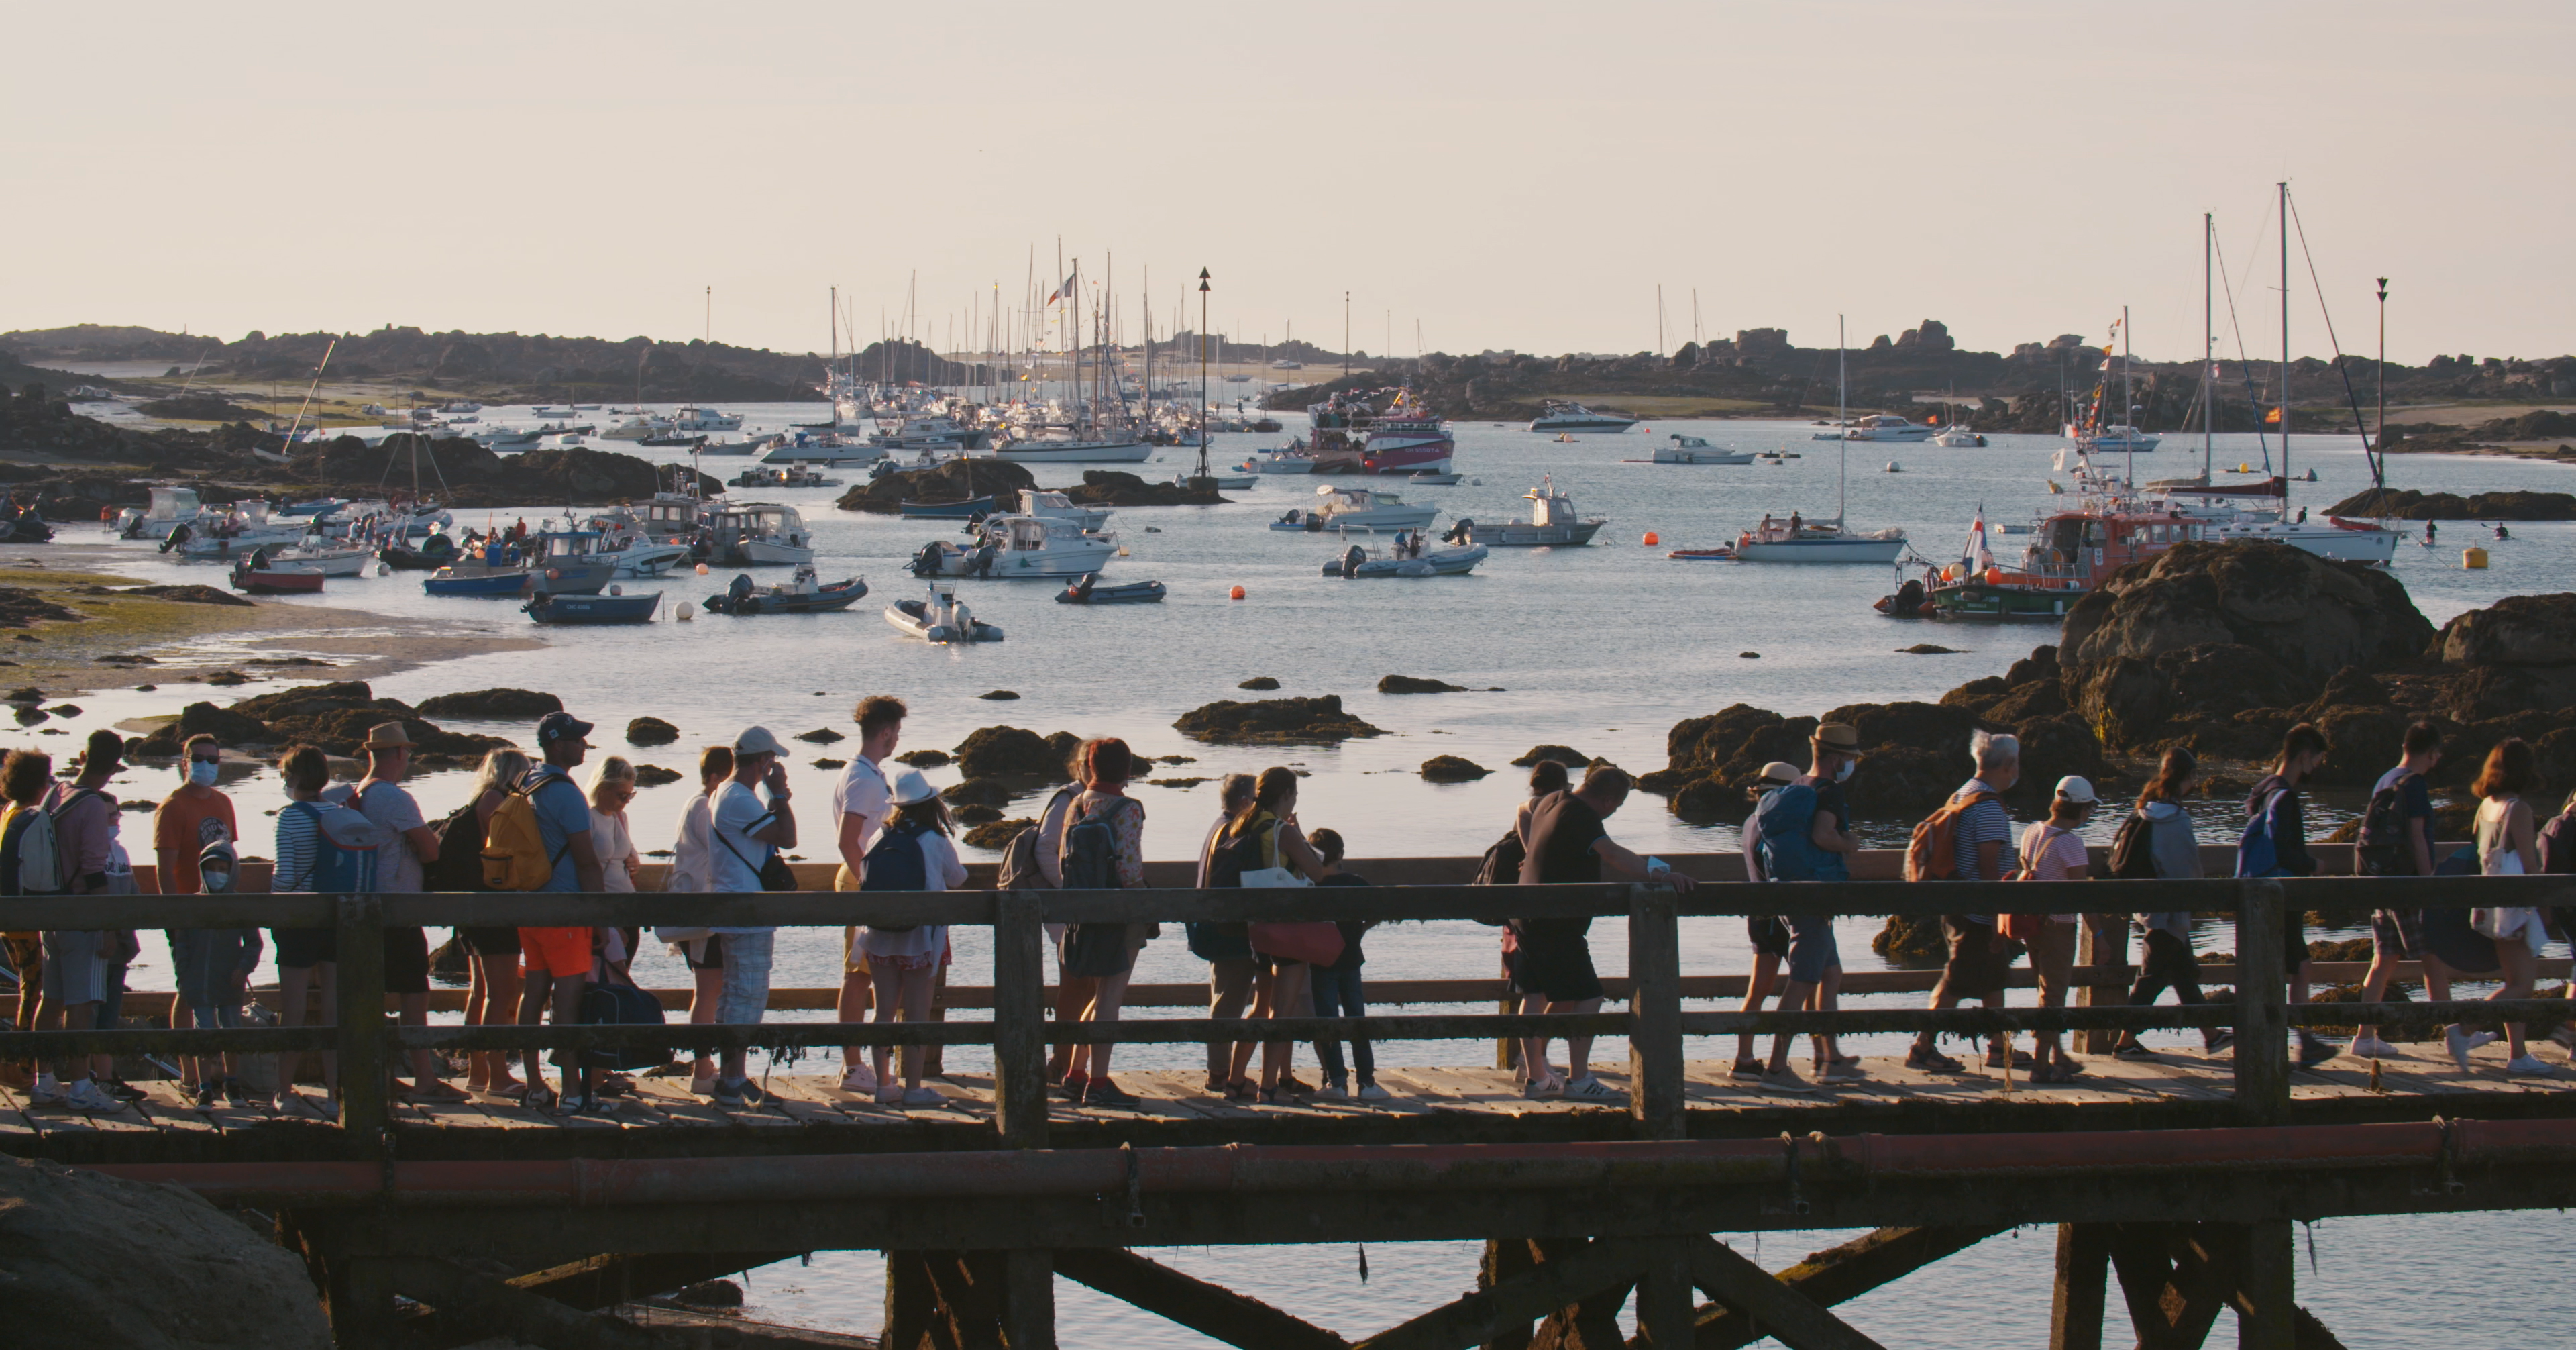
pixel 759 534
pixel 1015 547
pixel 1694 450
pixel 1959 438
pixel 2117 440
pixel 1552 521
pixel 1114 450
pixel 1340 508
pixel 170 508
pixel 693 418
pixel 638 429
pixel 930 431
pixel 1817 541
pixel 822 447
pixel 1057 506
pixel 1882 427
pixel 1563 415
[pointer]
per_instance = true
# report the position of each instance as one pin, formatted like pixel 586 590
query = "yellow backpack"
pixel 514 852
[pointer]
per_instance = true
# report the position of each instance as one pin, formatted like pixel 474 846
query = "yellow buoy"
pixel 2474 559
pixel 1652 539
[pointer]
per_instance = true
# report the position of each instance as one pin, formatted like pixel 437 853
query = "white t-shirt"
pixel 689 851
pixel 609 835
pixel 733 863
pixel 398 869
pixel 940 871
pixel 862 791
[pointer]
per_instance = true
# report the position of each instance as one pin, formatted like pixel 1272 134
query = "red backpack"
pixel 1933 853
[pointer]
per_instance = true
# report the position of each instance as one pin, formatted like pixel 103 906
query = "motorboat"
pixel 168 509
pixel 759 534
pixel 693 418
pixel 2358 541
pixel 1407 438
pixel 568 562
pixel 2112 440
pixel 472 578
pixel 1797 540
pixel 315 509
pixel 751 446
pixel 965 508
pixel 505 439
pixel 929 431
pixel 1564 415
pixel 803 595
pixel 1552 522
pixel 1292 459
pixel 642 557
pixel 822 448
pixel 1222 482
pixel 1696 450
pixel 1058 506
pixel 592 609
pixel 1112 450
pixel 1016 547
pixel 435 552
pixel 667 439
pixel 796 475
pixel 637 429
pixel 1429 479
pixel 1721 553
pixel 1404 560
pixel 1959 438
pixel 319 560
pixel 672 518
pixel 244 527
pixel 1884 427
pixel 544 412
pixel 251 577
pixel 1088 591
pixel 943 618
pixel 1341 508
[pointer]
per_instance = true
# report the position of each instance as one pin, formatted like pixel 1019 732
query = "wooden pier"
pixel 2181 1176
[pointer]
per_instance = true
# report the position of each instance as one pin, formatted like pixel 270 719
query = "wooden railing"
pixel 1655 1023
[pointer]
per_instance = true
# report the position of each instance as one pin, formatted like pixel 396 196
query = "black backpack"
pixel 1233 858
pixel 895 864
pixel 1501 867
pixel 2382 851
pixel 2133 849
pixel 617 1002
pixel 459 864
pixel 2557 843
pixel 1091 851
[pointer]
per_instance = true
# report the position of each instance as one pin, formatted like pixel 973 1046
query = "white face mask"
pixel 202 772
pixel 1843 771
pixel 216 880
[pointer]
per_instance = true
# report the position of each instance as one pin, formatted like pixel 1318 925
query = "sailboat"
pixel 1798 540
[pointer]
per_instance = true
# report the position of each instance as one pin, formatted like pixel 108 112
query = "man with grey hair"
pixel 1981 836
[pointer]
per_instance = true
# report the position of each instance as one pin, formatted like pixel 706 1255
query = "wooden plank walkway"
pixel 1174 1096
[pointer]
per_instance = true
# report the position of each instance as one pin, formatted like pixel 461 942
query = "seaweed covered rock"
pixel 225 725
pixel 2408 504
pixel 1116 487
pixel 1012 752
pixel 1563 754
pixel 336 718
pixel 997 834
pixel 187 595
pixel 651 731
pixel 1282 721
pixel 1911 940
pixel 654 775
pixel 976 792
pixel 922 759
pixel 955 480
pixel 1452 769
pixel 22 608
pixel 1259 683
pixel 1414 684
pixel 1914 754
pixel 492 705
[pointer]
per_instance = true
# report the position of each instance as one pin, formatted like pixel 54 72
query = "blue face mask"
pixel 202 772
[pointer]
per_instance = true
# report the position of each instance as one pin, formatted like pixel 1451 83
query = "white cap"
pixel 2077 790
pixel 911 788
pixel 757 741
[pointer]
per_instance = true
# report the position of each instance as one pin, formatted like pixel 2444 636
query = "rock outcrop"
pixel 333 717
pixel 651 731
pixel 1278 721
pixel 1014 752
pixel 492 705
pixel 2408 504
pixel 151 1267
pixel 1415 684
pixel 956 480
pixel 1563 754
pixel 1452 769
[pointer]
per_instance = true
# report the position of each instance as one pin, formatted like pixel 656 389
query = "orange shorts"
pixel 555 951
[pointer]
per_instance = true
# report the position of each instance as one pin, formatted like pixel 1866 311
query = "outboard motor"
pixel 738 592
pixel 1461 532
pixel 926 563
pixel 1292 518
pixel 1082 588
pixel 984 560
pixel 1352 557
pixel 178 536
pixel 1909 599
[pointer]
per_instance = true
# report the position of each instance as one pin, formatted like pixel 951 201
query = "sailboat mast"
pixel 2208 349
pixel 2285 353
pixel 1842 416
pixel 2128 398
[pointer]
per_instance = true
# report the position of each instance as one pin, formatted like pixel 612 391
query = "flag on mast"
pixel 1063 291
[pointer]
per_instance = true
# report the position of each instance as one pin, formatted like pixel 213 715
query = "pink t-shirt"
pixel 2051 854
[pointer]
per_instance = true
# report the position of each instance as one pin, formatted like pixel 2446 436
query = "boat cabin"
pixel 173 504
pixel 1549 506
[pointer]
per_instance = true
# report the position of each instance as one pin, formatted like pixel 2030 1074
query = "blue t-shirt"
pixel 562 812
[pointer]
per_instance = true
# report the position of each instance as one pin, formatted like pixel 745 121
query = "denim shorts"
pixel 1812 950
pixel 746 977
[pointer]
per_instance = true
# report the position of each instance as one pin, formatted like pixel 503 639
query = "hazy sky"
pixel 1504 174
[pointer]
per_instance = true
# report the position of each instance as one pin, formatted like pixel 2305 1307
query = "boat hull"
pixel 492 584
pixel 1601 426
pixel 1514 534
pixel 959 510
pixel 1132 593
pixel 1081 452
pixel 2361 544
pixel 1703 457
pixel 1979 600
pixel 277 583
pixel 592 609
pixel 1371 522
pixel 906 616
pixel 763 553
pixel 822 601
pixel 1880 551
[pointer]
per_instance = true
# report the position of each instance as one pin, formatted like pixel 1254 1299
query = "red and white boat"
pixel 1407 438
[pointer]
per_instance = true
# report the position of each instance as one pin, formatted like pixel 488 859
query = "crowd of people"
pixel 529 824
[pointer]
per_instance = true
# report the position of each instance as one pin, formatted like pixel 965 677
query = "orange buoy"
pixel 702 569
pixel 1653 539
pixel 1235 594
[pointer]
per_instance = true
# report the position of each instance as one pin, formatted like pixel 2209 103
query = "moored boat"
pixel 1088 591
pixel 592 609
pixel 1695 450
pixel 1405 561
pixel 250 577
pixel 1340 508
pixel 961 509
pixel 1562 416
pixel 1553 521
pixel 803 595
pixel 943 618
pixel 1018 547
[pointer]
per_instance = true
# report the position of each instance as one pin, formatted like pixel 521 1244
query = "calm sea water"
pixel 1602 648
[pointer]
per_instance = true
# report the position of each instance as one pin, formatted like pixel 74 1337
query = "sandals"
pixel 539 1098
pixel 1242 1090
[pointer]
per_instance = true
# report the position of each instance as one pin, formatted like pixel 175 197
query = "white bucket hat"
pixel 912 789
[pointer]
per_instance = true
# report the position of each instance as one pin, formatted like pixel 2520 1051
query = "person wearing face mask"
pixel 191 822
pixel 1805 835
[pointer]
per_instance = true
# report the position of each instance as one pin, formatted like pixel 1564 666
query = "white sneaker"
pixel 1331 1091
pixel 86 1095
pixel 1591 1089
pixel 46 1092
pixel 2529 1066
pixel 2478 1038
pixel 2371 1047
pixel 859 1078
pixel 1371 1092
pixel 2458 1043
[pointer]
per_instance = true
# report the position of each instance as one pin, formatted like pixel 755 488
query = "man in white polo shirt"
pixel 861 801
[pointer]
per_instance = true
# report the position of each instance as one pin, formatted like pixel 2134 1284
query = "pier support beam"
pixel 2262 1005
pixel 2102 942
pixel 1843 1273
pixel 1210 1309
pixel 1655 1065
pixel 1514 1288
pixel 2266 1288
pixel 2082 1288
pixel 1782 1312
pixel 1591 1322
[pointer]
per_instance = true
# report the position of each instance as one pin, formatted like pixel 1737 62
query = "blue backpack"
pixel 1785 824
pixel 2258 853
pixel 344 850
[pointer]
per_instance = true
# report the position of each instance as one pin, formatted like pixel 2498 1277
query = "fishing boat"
pixel 1058 506
pixel 1407 438
pixel 803 595
pixel 473 579
pixel 1798 540
pixel 1018 547
pixel 760 534
pixel 252 577
pixel 1088 591
pixel 962 509
pixel 590 609
pixel 435 552
pixel 1405 561
pixel 1552 522
pixel 1564 415
pixel 1341 508
pixel 1959 438
pixel 567 562
pixel 943 618
pixel 1694 450
pixel 1222 482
